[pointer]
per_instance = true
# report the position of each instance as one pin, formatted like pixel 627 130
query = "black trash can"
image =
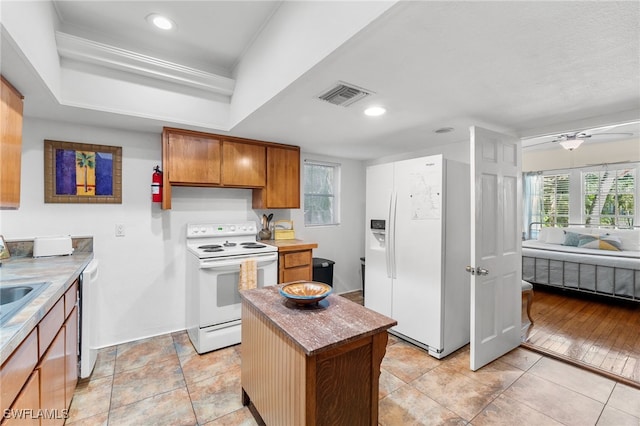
pixel 323 270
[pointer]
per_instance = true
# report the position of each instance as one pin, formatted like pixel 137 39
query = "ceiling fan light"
pixel 571 144
pixel 160 21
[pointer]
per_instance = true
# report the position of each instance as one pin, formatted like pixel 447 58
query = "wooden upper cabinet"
pixel 202 159
pixel 193 159
pixel 283 180
pixel 243 164
pixel 10 145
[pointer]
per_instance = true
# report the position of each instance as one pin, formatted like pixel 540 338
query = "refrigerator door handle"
pixel 387 240
pixel 392 231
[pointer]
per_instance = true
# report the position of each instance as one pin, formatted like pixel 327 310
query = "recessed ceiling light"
pixel 443 130
pixel 375 111
pixel 160 21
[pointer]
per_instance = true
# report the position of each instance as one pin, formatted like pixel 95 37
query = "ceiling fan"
pixel 572 140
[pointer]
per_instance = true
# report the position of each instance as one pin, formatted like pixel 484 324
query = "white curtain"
pixel 532 199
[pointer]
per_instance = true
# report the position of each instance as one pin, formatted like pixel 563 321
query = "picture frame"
pixel 82 173
pixel 4 249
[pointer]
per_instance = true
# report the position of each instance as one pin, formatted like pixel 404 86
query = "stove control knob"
pixel 201 230
pixel 232 228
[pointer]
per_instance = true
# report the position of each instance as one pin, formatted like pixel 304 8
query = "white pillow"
pixel 542 234
pixel 555 236
pixel 630 238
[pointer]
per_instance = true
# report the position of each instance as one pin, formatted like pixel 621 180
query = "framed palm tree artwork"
pixel 82 173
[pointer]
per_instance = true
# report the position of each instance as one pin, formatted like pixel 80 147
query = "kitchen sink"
pixel 14 297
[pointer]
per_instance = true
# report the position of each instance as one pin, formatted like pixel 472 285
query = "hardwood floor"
pixel 599 334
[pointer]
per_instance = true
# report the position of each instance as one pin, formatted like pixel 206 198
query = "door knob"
pixel 476 271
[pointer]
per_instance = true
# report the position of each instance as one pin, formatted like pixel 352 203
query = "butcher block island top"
pixel 311 364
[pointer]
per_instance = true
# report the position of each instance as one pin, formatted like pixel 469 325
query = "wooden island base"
pixel 319 379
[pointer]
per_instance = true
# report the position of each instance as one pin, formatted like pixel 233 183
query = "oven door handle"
pixel 262 260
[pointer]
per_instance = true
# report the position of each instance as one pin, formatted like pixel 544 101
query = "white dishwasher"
pixel 88 316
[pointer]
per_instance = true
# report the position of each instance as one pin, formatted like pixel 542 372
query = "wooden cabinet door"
pixel 10 145
pixel 295 266
pixel 243 164
pixel 28 399
pixel 16 370
pixel 283 180
pixel 52 380
pixel 71 355
pixel 193 159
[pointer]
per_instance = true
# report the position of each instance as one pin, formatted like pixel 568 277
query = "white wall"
pixel 458 151
pixel 142 275
pixel 343 243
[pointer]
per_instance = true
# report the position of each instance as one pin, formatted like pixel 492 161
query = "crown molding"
pixel 87 51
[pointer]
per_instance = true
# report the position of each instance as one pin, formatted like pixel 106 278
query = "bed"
pixel 590 260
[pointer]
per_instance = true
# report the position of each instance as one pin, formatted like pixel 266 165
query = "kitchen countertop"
pixel 333 322
pixel 60 271
pixel 290 245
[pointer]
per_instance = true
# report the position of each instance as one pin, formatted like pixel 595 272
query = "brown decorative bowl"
pixel 306 292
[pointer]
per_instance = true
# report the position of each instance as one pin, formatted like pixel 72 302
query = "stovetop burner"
pixel 228 244
pixel 213 250
pixel 210 246
pixel 252 245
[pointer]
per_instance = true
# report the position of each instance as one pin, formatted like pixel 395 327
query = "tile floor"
pixel 163 381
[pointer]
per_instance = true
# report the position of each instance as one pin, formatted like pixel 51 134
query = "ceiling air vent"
pixel 344 94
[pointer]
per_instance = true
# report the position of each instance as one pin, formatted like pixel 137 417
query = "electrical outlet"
pixel 119 229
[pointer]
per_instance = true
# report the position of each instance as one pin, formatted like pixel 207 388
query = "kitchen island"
pixel 313 364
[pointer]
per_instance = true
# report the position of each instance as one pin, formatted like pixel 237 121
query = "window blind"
pixel 555 190
pixel 609 197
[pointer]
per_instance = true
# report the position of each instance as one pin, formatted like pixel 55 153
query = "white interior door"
pixel 496 264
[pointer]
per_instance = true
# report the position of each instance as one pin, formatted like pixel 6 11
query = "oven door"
pixel 218 284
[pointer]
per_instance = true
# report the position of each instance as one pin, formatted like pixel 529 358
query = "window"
pixel 555 200
pixel 321 193
pixel 609 197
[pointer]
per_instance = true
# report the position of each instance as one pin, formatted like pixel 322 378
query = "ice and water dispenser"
pixel 378 229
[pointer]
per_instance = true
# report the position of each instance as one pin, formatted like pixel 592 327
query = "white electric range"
pixel 215 252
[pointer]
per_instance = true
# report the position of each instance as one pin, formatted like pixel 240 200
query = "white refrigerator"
pixel 417 248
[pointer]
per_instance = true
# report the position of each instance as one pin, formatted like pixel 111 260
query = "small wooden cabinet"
pixel 295 266
pixel 283 180
pixel 10 145
pixel 243 164
pixel 295 260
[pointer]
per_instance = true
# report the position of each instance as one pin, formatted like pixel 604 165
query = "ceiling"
pixel 526 68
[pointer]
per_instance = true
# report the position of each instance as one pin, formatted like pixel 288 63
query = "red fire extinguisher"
pixel 156 185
